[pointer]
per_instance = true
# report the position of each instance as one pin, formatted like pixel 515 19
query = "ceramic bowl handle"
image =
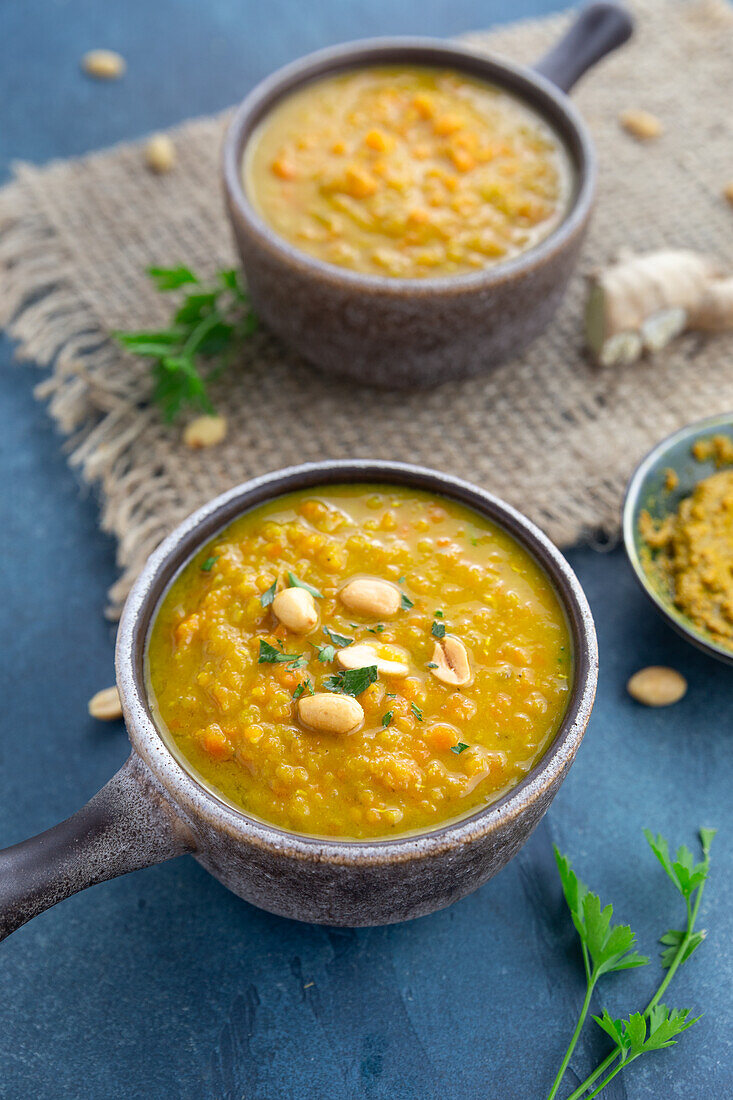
pixel 599 29
pixel 129 824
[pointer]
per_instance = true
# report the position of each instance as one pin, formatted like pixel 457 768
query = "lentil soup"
pixel 360 661
pixel 408 172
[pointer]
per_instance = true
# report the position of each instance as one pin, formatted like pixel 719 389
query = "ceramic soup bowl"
pixel 402 333
pixel 154 809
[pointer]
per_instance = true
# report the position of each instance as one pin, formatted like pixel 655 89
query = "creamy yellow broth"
pixel 426 751
pixel 408 172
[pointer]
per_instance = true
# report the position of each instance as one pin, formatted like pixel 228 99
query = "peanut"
pixel 361 656
pixel 103 64
pixel 451 658
pixel 296 609
pixel 326 712
pixel 371 596
pixel 641 124
pixel 105 705
pixel 160 154
pixel 657 686
pixel 205 431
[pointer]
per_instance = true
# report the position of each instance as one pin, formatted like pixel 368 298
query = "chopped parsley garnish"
pixel 387 718
pixel 352 681
pixel 302 584
pixel 270 655
pixel 431 664
pixel 402 579
pixel 326 653
pixel 459 748
pixel 405 602
pixel 269 595
pixel 438 630
pixel 416 711
pixel 438 614
pixel 206 566
pixel 375 629
pixel 304 685
pixel 339 640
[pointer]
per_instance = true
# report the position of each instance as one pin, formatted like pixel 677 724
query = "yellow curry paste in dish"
pixel 449 687
pixel 690 552
pixel 408 172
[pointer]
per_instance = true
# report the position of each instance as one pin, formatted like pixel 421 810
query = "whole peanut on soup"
pixel 326 712
pixel 296 609
pixel 371 596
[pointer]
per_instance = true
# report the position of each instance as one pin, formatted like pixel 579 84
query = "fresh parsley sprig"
pixel 606 947
pixel 689 880
pixel 204 335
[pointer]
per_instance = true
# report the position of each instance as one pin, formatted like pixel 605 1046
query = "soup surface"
pixel 449 687
pixel 409 172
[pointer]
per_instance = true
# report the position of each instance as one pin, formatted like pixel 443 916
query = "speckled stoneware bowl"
pixel 647 490
pixel 403 333
pixel 154 809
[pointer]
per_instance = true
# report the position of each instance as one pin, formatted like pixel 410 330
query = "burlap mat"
pixel 550 433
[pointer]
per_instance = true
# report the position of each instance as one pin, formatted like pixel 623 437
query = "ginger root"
pixel 644 301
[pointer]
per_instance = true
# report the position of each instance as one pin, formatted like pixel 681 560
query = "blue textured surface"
pixel 163 984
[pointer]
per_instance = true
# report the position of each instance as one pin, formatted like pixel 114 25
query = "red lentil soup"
pixel 409 172
pixel 360 661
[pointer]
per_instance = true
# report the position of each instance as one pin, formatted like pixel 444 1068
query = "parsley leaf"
pixel 416 711
pixel 431 664
pixel 304 685
pixel 405 602
pixel 269 655
pixel 352 681
pixel 438 630
pixel 295 583
pixel 326 653
pixel 208 565
pixel 387 718
pixel 459 748
pixel 339 640
pixel 268 595
pixel 204 336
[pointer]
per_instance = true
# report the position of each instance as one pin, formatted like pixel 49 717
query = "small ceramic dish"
pixel 154 809
pixel 647 490
pixel 402 333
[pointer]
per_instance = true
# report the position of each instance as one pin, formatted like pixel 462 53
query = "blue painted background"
pixel 163 984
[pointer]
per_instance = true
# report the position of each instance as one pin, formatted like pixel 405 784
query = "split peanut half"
pixel 452 665
pixel 364 655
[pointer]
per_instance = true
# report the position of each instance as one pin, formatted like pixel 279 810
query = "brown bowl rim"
pixel 540 93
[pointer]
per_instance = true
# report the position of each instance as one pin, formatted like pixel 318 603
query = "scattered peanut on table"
pixel 657 686
pixel 160 154
pixel 105 705
pixel 641 124
pixel 205 431
pixel 103 64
